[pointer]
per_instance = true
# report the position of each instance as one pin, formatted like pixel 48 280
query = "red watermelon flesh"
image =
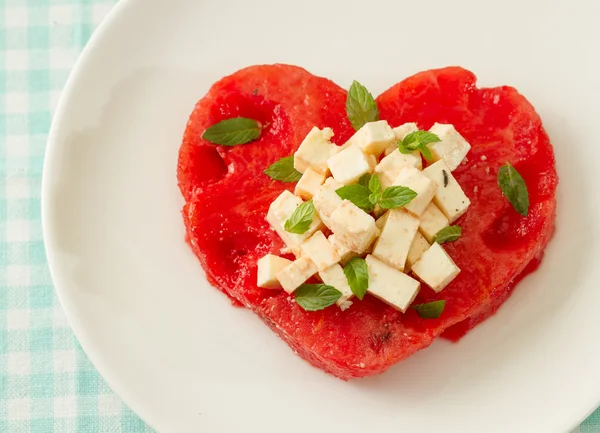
pixel 227 198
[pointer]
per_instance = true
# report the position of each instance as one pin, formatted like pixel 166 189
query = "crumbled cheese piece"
pixel 309 184
pixel 296 273
pixel 349 165
pixel 279 212
pixel 343 251
pixel 418 247
pixel 334 276
pixel 450 198
pixel 372 138
pixel 432 221
pixel 326 200
pixel 320 251
pixel 424 187
pixel 397 235
pixel 436 268
pixel 353 227
pixel 390 167
pixel 452 148
pixel 315 150
pixel 390 285
pixel 268 267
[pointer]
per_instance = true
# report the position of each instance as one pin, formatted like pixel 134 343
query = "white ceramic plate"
pixel 176 350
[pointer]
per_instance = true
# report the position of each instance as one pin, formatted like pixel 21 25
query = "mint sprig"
pixel 368 192
pixel 448 234
pixel 357 194
pixel 418 140
pixel 430 310
pixel 284 170
pixel 361 107
pixel 232 132
pixel 514 188
pixel 314 297
pixel 299 222
pixel 396 196
pixel 357 274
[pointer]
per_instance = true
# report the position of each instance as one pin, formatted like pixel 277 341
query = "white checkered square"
pixel 61 15
pixel 65 406
pixel 109 405
pixel 63 58
pixel 65 361
pixel 17 146
pixel 17 275
pixel 17 319
pixel 19 408
pixel 16 17
pixel 18 187
pixel 16 60
pixel 17 230
pixel 59 320
pixel 17 103
pixel 19 363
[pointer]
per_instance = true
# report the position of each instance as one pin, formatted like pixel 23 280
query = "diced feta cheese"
pixel 372 138
pixel 436 268
pixel 326 200
pixel 432 221
pixel 268 267
pixel 424 187
pixel 390 167
pixel 334 276
pixel 320 251
pixel 390 285
pixel 349 165
pixel 450 198
pixel 296 273
pixel 309 184
pixel 418 247
pixel 280 210
pixel 343 251
pixel 452 148
pixel 393 245
pixel 381 220
pixel 353 227
pixel 315 150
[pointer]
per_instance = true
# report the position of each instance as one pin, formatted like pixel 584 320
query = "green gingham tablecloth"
pixel 47 383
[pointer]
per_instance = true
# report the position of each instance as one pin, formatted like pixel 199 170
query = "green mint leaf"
pixel 313 297
pixel 357 275
pixel 396 196
pixel 284 170
pixel 418 140
pixel 448 234
pixel 374 185
pixel 514 189
pixel 361 108
pixel 364 180
pixel 301 219
pixel 357 194
pixel 374 198
pixel 430 310
pixel 231 132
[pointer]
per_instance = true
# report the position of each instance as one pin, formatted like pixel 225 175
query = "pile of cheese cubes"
pixel 395 244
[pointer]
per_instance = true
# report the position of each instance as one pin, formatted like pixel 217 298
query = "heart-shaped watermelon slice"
pixel 227 197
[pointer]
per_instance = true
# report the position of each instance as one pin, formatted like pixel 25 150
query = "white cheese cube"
pixel 353 227
pixel 334 276
pixel 424 187
pixel 418 247
pixel 343 251
pixel 268 267
pixel 326 200
pixel 449 197
pixel 309 184
pixel 315 150
pixel 279 212
pixel 432 221
pixel 435 268
pixel 401 132
pixel 452 148
pixel 382 220
pixel 390 167
pixel 390 285
pixel 373 138
pixel 296 273
pixel 397 235
pixel 349 165
pixel 320 251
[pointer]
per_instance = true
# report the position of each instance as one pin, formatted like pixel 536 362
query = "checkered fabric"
pixel 46 382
